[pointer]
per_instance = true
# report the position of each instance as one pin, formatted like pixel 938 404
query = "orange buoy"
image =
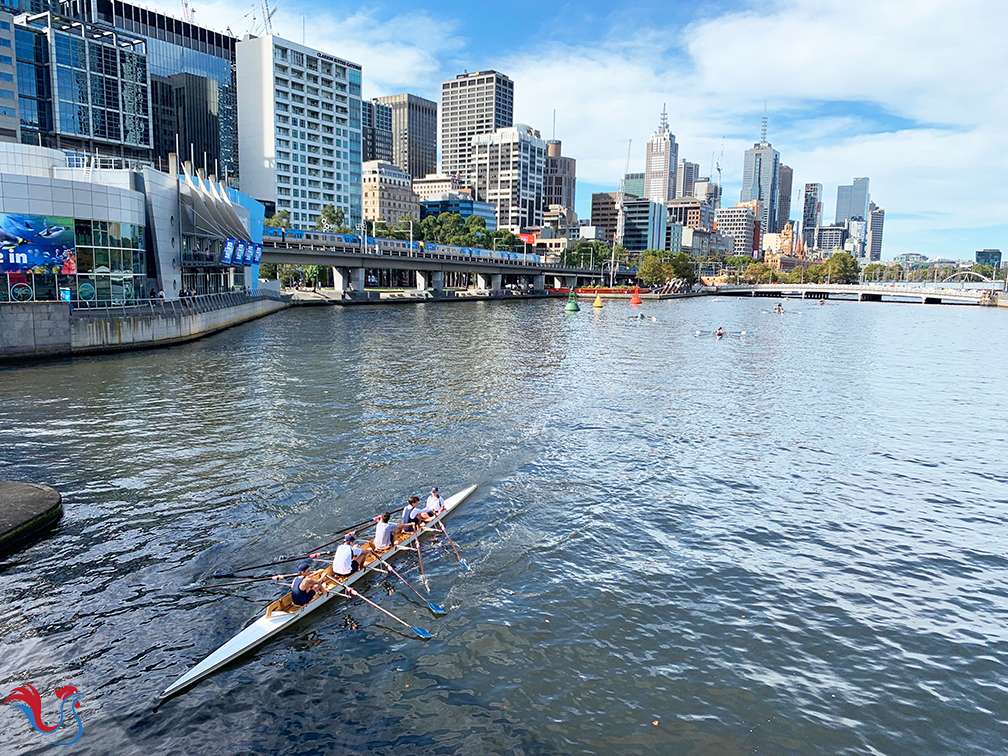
pixel 635 299
pixel 597 304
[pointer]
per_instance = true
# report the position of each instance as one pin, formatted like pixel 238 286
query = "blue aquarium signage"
pixel 37 244
pixel 229 246
pixel 239 254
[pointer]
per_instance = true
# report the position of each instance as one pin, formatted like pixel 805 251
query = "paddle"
pixel 461 560
pixel 238 582
pixel 235 571
pixel 420 632
pixel 436 608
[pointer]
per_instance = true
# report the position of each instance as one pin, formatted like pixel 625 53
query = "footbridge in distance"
pixel 866 292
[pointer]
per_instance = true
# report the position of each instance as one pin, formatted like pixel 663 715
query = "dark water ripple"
pixel 791 543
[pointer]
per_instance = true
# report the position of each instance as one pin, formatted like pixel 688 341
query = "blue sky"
pixel 912 95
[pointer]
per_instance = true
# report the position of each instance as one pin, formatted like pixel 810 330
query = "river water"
pixel 788 542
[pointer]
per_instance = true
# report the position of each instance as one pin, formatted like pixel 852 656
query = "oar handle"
pixel 240 582
pixel 362 525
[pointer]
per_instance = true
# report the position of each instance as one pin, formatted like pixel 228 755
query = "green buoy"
pixel 572 305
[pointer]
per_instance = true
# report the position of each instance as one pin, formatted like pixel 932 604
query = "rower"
pixel 719 332
pixel 349 558
pixel 305 587
pixel 412 513
pixel 435 503
pixel 385 531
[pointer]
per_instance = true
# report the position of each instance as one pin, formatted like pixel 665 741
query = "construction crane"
pixel 620 219
pixel 268 16
pixel 187 11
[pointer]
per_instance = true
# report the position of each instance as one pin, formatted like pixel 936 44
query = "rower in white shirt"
pixel 384 532
pixel 435 503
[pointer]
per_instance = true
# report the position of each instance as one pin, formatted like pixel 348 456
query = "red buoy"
pixel 635 299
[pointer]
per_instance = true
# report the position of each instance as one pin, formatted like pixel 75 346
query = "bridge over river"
pixel 350 261
pixel 867 292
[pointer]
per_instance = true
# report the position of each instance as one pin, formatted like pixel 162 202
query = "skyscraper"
pixel 633 184
pixel 761 179
pixel 560 178
pixel 414 133
pixel 507 172
pixel 686 175
pixel 876 220
pixel 376 131
pixel 811 214
pixel 784 197
pixel 472 104
pixel 852 201
pixel 661 164
pixel 300 130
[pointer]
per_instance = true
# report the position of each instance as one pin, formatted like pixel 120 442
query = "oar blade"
pixel 421 633
pixel 463 563
pixel 436 608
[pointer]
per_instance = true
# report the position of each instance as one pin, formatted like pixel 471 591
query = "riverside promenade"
pixel 38 330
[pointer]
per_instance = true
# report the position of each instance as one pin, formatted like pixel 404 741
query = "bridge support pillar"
pixel 539 282
pixel 496 282
pixel 863 297
pixel 429 279
pixel 348 278
pixel 564 282
pixel 482 281
pixel 931 300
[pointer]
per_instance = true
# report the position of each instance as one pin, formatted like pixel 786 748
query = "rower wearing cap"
pixel 435 503
pixel 385 531
pixel 305 587
pixel 349 558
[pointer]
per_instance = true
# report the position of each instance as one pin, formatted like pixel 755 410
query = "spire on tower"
pixel 664 118
pixel 763 129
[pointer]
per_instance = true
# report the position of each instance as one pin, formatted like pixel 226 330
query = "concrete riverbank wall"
pixel 33 330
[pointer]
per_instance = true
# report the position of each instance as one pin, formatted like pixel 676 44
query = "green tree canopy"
pixel 279 219
pixel 842 268
pixel 651 270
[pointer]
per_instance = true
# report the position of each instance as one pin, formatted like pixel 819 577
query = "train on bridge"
pixel 321 239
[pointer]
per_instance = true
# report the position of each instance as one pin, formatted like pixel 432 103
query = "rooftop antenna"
pixel 664 118
pixel 763 129
pixel 554 124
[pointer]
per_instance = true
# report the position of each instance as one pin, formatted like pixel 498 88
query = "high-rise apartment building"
pixel 852 201
pixel 831 238
pixel 784 197
pixel 82 88
pixel 691 212
pixel 876 220
pixel 761 179
pixel 376 131
pixel 414 133
pixel 300 130
pixel 644 225
pixel 811 214
pixel 507 171
pixel 472 104
pixel 686 176
pixel 604 214
pixel 561 177
pixel 388 193
pixel 192 82
pixel 661 164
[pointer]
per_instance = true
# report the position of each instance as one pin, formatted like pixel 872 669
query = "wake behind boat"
pixel 283 613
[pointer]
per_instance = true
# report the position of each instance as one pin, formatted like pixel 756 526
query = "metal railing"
pixel 165 307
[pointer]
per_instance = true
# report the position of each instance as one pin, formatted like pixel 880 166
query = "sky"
pixel 912 95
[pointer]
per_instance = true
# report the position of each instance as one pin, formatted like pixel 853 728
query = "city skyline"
pixel 831 119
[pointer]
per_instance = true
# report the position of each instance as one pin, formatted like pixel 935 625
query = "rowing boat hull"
pixel 265 627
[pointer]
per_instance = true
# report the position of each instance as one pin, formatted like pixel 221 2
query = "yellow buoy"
pixel 598 301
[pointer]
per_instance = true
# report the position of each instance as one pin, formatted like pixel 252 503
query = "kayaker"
pixel 349 558
pixel 384 531
pixel 305 587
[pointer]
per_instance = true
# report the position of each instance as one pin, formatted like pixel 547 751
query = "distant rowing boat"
pixel 282 613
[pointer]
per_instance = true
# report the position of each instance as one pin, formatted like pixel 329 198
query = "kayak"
pixel 282 613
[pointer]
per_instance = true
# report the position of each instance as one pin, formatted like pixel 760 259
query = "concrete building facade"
pixel 300 144
pixel 459 204
pixel 472 104
pixel 604 214
pixel 691 212
pixel 434 184
pixel 876 222
pixel 661 164
pixel 740 224
pixel 784 197
pixel 830 238
pixel 560 179
pixel 388 193
pixel 508 172
pixel 686 176
pixel 414 133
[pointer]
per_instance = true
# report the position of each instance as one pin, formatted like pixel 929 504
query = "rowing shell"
pixel 281 614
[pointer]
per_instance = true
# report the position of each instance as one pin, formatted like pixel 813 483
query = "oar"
pixel 461 560
pixel 362 525
pixel 235 571
pixel 421 633
pixel 436 608
pixel 420 558
pixel 238 582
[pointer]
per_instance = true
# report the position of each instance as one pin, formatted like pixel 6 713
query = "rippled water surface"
pixel 791 542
